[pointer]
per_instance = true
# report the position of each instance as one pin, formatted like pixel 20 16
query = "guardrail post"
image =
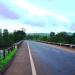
pixel 8 51
pixel 4 54
pixel 60 44
pixel 71 46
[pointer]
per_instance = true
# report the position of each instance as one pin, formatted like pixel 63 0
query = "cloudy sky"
pixel 38 16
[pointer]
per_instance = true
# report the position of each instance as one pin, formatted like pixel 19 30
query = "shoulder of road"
pixel 21 63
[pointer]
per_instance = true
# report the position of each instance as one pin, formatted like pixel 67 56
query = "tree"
pixel 1 39
pixel 73 38
pixel 61 37
pixel 44 38
pixel 11 38
pixel 5 37
pixel 52 37
pixel 52 34
pixel 0 33
pixel 19 35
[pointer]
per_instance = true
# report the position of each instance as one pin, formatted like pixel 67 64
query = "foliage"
pixel 52 37
pixel 61 37
pixel 19 35
pixel 4 62
pixel 7 39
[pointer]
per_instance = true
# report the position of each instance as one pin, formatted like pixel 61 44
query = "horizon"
pixel 36 32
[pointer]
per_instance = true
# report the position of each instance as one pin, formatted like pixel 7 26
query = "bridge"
pixel 35 58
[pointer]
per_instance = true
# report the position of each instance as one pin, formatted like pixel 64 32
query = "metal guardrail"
pixel 5 52
pixel 60 44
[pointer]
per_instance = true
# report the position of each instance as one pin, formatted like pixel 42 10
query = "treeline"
pixel 62 37
pixel 7 38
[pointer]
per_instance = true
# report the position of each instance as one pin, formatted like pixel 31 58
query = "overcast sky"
pixel 38 16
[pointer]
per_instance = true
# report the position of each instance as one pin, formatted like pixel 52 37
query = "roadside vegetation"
pixel 7 45
pixel 61 37
pixel 4 62
pixel 7 38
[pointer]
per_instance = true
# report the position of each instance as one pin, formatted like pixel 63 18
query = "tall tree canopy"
pixel 7 39
pixel 19 35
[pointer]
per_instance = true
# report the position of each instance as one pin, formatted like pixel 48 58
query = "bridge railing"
pixel 5 52
pixel 59 44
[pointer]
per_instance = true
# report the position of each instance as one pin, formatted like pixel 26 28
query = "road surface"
pixel 50 60
pixel 35 58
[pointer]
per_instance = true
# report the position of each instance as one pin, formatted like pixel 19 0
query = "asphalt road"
pixel 50 60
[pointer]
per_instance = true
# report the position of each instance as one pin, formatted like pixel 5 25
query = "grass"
pixel 4 62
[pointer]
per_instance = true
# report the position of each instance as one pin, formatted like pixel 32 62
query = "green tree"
pixel 73 38
pixel 5 37
pixel 1 39
pixel 52 37
pixel 11 38
pixel 61 37
pixel 19 35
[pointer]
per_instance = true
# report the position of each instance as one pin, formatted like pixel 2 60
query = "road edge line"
pixel 31 62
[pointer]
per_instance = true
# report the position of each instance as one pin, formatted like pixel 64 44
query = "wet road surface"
pixel 49 60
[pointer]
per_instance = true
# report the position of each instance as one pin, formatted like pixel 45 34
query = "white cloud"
pixel 32 10
pixel 63 19
pixel 34 16
pixel 35 11
pixel 12 25
pixel 59 17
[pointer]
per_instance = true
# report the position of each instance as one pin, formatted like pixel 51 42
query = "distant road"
pixel 50 60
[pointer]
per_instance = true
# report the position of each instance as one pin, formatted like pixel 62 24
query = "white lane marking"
pixel 32 62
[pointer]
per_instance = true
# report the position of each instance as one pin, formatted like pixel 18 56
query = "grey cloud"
pixel 7 12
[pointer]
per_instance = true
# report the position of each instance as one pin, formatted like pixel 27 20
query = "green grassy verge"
pixel 4 62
